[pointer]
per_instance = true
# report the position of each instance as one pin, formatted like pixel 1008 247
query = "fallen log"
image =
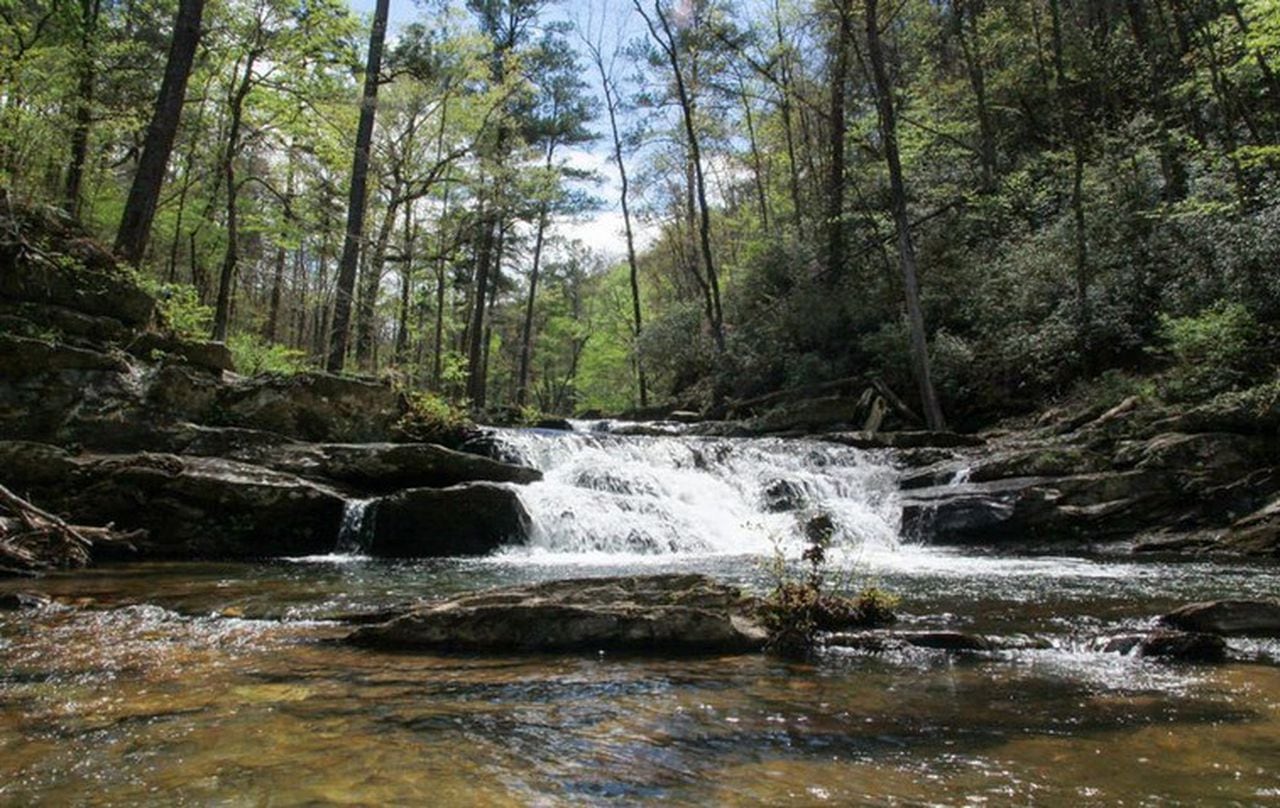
pixel 33 539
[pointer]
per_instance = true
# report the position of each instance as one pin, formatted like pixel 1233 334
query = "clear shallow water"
pixel 222 683
pixel 215 682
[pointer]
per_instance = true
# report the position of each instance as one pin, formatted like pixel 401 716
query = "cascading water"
pixel 354 528
pixel 610 495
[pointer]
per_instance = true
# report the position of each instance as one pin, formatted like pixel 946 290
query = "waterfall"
pixel 605 494
pixel 357 521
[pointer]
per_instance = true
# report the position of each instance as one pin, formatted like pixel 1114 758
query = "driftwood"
pixel 33 539
pixel 873 388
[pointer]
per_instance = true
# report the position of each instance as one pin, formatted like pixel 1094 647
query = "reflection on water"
pixel 205 682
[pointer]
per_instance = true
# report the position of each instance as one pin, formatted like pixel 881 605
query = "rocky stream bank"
pixel 106 416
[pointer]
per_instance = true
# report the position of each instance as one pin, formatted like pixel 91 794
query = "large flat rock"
pixel 658 614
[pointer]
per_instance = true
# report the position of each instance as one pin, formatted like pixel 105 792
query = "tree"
pixel 140 209
pixel 357 197
pixel 612 105
pixel 670 47
pixel 901 220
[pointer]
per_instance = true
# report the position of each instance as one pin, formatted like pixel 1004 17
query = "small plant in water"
pixel 799 608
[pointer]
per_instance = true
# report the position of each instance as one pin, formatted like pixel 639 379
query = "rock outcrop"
pixel 123 421
pixel 660 614
pixel 1232 618
pixel 463 520
pixel 1140 477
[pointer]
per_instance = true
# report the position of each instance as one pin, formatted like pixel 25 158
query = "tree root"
pixel 34 539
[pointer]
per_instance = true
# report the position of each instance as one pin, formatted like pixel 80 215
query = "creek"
pixel 194 682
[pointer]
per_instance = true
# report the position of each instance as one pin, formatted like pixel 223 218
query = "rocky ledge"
pixel 1137 477
pixel 663 614
pixel 108 416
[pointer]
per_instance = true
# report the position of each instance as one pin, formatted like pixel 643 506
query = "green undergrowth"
pixel 804 604
pixel 432 418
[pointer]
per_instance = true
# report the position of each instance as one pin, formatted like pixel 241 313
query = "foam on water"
pixel 605 496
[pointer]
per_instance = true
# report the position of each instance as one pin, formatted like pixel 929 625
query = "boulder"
pixel 312 407
pixel 1180 646
pixel 1092 507
pixel 659 614
pixel 23 601
pixel 1256 534
pixel 87 281
pixel 941 640
pixel 191 507
pixel 1253 618
pixel 554 424
pixel 464 520
pixel 781 496
pixel 214 356
pixel 32 319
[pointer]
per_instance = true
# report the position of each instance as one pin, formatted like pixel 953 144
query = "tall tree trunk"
pixel 222 311
pixel 374 265
pixel 277 282
pixel 1073 129
pixel 788 127
pixel 669 44
pixel 757 162
pixel 357 198
pixel 144 193
pixel 86 70
pixel 475 328
pixel 906 250
pixel 437 353
pixel 406 288
pixel 836 245
pixel 969 11
pixel 526 331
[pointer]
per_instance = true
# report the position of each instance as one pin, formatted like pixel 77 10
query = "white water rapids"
pixel 607 496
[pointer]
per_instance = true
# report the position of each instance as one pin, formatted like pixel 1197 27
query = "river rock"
pixel 781 496
pixel 464 520
pixel 554 424
pixel 1253 618
pixel 940 640
pixel 1181 646
pixel 22 601
pixel 1256 534
pixel 659 614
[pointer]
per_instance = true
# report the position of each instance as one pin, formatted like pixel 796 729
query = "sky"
pixel 602 231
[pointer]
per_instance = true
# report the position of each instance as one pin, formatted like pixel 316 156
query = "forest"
pixel 984 204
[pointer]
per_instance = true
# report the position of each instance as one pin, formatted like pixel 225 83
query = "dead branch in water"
pixel 32 538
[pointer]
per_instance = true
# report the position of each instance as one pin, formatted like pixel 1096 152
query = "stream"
pixel 177 683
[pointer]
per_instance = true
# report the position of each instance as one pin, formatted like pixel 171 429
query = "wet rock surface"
pixel 1149 479
pixel 660 614
pixel 1178 646
pixel 878 641
pixel 463 520
pixel 1248 618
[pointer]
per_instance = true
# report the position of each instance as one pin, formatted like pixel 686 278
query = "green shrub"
pixel 434 419
pixel 252 356
pixel 180 308
pixel 1213 351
